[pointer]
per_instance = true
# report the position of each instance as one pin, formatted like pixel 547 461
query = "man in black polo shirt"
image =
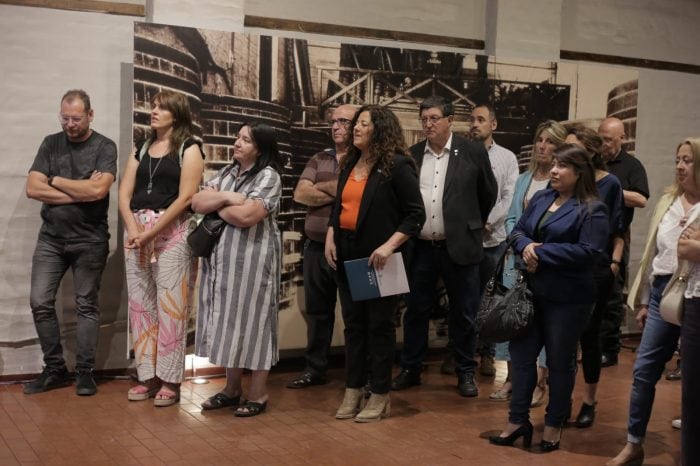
pixel 633 178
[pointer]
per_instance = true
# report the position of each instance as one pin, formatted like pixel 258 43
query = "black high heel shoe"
pixel 524 431
pixel 546 446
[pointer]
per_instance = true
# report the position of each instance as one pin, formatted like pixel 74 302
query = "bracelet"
pixel 616 262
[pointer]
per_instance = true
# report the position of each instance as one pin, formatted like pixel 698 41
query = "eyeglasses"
pixel 432 120
pixel 341 122
pixel 66 120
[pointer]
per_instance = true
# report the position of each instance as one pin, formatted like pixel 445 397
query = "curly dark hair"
pixel 387 139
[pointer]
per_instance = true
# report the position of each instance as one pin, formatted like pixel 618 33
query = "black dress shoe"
pixel 524 431
pixel 85 383
pixel 306 379
pixel 608 360
pixel 406 378
pixel 586 416
pixel 467 385
pixel 546 446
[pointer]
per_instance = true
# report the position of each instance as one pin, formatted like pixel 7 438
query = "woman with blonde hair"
pixel 155 194
pixel 658 264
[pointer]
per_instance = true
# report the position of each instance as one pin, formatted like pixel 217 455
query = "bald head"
pixel 612 131
pixel 341 119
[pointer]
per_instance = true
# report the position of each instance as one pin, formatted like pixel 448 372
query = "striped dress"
pixel 240 282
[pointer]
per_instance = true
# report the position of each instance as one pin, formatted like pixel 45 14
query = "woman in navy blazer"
pixel 557 238
pixel 378 207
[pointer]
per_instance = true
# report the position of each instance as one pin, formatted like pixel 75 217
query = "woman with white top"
pixel 658 264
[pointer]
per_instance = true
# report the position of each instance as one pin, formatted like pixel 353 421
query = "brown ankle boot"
pixel 377 407
pixel 350 405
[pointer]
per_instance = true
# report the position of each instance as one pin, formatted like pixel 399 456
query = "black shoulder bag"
pixel 208 230
pixel 505 314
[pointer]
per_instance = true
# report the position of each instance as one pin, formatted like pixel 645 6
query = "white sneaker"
pixel 676 423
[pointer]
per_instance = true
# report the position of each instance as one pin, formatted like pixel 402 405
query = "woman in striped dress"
pixel 239 288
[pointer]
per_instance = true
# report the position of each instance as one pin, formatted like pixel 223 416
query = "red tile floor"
pixel 429 425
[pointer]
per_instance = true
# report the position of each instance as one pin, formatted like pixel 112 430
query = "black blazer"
pixel 470 194
pixel 571 238
pixel 389 204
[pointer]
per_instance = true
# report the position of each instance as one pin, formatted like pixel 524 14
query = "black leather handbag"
pixel 208 230
pixel 505 314
pixel 206 234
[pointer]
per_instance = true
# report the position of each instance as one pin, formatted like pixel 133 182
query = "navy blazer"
pixel 571 239
pixel 470 193
pixel 389 204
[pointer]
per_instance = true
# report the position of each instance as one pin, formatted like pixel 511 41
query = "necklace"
pixel 149 188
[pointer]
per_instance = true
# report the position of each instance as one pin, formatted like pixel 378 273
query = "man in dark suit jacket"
pixel 459 190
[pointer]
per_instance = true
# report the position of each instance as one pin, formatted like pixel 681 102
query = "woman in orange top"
pixel 377 208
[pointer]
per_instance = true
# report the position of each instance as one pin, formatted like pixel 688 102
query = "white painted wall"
pixel 47 51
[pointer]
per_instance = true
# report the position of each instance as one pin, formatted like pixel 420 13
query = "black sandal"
pixel 221 400
pixel 250 409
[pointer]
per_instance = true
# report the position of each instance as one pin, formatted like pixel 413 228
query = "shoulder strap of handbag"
pixel 683 268
pixel 681 273
pixel 498 271
pixel 147 144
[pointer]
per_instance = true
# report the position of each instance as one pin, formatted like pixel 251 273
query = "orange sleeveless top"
pixel 350 202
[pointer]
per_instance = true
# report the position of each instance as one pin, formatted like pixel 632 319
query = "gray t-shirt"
pixel 81 221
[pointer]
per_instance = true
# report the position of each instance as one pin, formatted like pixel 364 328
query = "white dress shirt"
pixel 432 187
pixel 505 168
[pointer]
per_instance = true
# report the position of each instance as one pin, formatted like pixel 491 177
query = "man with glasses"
pixel 316 189
pixel 459 190
pixel 71 176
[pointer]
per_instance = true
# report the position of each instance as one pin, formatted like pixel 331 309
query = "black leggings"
pixel 591 348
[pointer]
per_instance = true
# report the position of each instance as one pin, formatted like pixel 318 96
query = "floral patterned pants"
pixel 160 278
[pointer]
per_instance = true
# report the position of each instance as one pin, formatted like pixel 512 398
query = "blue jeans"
pixel 462 286
pixel 557 327
pixel 659 340
pixel 50 262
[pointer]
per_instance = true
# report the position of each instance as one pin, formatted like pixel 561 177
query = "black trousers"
pixel 591 348
pixel 370 335
pixel 615 310
pixel 320 291
pixel 690 404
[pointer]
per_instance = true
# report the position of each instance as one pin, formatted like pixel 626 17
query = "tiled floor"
pixel 429 425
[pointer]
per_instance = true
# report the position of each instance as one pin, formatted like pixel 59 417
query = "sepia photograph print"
pixel 295 84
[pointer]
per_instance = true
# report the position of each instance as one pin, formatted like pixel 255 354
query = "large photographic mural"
pixel 294 84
